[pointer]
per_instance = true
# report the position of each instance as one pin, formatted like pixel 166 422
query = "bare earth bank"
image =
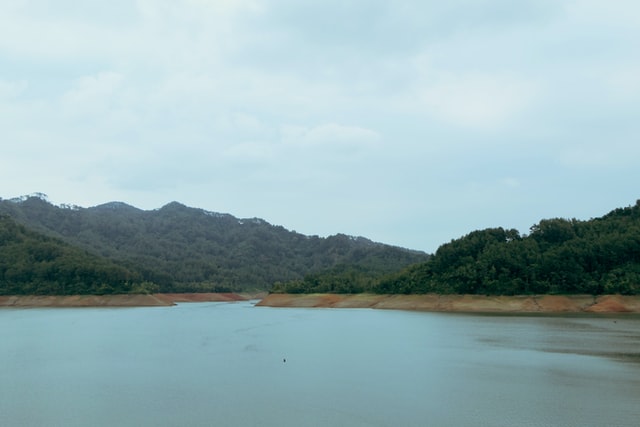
pixel 428 302
pixel 153 300
pixel 464 303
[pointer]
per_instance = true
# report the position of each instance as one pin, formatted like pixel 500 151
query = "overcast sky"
pixel 410 122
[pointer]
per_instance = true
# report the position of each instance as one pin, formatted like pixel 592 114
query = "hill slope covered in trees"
pixel 32 263
pixel 183 249
pixel 559 256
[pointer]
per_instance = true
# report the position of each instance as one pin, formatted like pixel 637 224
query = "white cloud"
pixel 93 94
pixel 253 153
pixel 477 101
pixel 12 89
pixel 615 14
pixel 624 82
pixel 330 134
pixel 612 155
pixel 511 182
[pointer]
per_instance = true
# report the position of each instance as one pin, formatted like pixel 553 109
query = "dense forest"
pixel 559 256
pixel 32 263
pixel 117 248
pixel 181 249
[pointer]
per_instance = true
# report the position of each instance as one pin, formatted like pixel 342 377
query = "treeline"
pixel 342 279
pixel 183 249
pixel 116 248
pixel 34 264
pixel 559 256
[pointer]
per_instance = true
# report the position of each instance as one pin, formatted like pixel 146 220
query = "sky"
pixel 409 122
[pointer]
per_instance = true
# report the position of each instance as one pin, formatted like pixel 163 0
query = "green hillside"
pixel 559 256
pixel 183 249
pixel 47 249
pixel 32 263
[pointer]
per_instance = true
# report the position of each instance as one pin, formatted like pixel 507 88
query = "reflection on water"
pixel 224 364
pixel 613 337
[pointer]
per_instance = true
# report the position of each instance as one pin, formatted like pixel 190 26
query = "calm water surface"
pixel 222 364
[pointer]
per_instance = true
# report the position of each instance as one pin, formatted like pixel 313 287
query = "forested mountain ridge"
pixel 33 263
pixel 179 248
pixel 559 256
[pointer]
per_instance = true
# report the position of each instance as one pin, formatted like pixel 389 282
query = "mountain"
pixel 179 248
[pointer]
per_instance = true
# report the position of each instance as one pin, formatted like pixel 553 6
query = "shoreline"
pixel 526 304
pixel 124 300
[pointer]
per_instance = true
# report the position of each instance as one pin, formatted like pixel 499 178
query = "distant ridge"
pixel 185 249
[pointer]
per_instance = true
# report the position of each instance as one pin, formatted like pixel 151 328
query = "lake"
pixel 233 364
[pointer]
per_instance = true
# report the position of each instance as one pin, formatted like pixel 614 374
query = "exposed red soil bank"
pixel 464 303
pixel 429 302
pixel 153 300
